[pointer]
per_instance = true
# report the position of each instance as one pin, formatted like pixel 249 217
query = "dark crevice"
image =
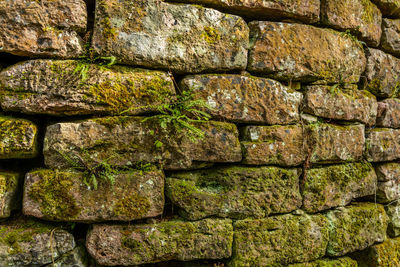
pixel 7 59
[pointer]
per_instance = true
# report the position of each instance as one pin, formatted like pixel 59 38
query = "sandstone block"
pixel 382 144
pixel 390 36
pixel 388 182
pixel 389 8
pixel 380 255
pixel 9 192
pixel 389 113
pixel 393 212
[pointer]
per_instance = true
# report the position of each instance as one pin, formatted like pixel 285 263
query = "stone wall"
pixel 200 133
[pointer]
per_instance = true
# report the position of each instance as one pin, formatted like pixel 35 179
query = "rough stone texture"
pixel 393 212
pixel 124 141
pixel 389 182
pixel 382 74
pixel 296 52
pixel 389 113
pixel 280 145
pixel 337 185
pixel 355 227
pixel 380 255
pixel 9 192
pixel 330 143
pixel 235 192
pixel 246 98
pixel 47 28
pixel 24 242
pixel 382 144
pixel 76 258
pixel 183 38
pixel 361 17
pixel 64 196
pixel 279 240
pixel 17 138
pixel 390 41
pixel 303 10
pixel 338 262
pixel 389 8
pixel 334 102
pixel 170 240
pixel 70 87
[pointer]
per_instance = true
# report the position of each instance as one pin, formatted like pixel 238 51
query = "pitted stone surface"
pixel 389 8
pixel 389 113
pixel 390 42
pixel 382 144
pixel 182 38
pixel 388 182
pixel 393 212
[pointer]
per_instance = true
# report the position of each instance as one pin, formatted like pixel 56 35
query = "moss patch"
pixel 132 206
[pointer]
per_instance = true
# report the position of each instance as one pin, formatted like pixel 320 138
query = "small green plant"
pixel 349 35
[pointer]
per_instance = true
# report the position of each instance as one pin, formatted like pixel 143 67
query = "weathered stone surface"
pixel 58 87
pixel 303 10
pixel 382 74
pixel 382 144
pixel 389 8
pixel 246 98
pixel 224 192
pixel 9 192
pixel 355 227
pixel 170 240
pixel 280 145
pixel 390 42
pixel 183 38
pixel 389 182
pixel 361 17
pixel 389 113
pixel 380 255
pixel 76 258
pixel 17 138
pixel 297 52
pixel 393 212
pixel 24 242
pixel 342 262
pixel 330 143
pixel 64 196
pixel 279 240
pixel 337 185
pixel 337 103
pixel 46 28
pixel 124 141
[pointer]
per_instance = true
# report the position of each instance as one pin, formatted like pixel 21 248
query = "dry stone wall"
pixel 199 133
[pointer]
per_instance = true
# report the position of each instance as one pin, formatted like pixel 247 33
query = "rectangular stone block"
pixel 389 113
pixel 297 52
pixel 380 255
pixel 355 227
pixel 389 8
pixel 68 196
pixel 361 17
pixel 303 10
pixel 10 199
pixel 331 143
pixel 337 185
pixel 388 182
pixel 390 36
pixel 382 144
pixel 280 145
pixel 334 102
pixel 169 240
pixel 68 87
pixel 246 99
pixel 182 38
pixel 48 28
pixel 235 192
pixel 279 240
pixel 18 138
pixel 126 141
pixel 382 74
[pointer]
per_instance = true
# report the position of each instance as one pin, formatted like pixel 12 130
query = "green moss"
pixel 210 35
pixel 8 182
pixel 132 206
pixel 53 193
pixel 368 12
pixel 113 121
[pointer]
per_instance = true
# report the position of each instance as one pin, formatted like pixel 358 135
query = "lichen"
pixel 132 206
pixel 210 35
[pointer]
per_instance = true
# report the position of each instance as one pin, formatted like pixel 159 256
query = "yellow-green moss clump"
pixel 133 206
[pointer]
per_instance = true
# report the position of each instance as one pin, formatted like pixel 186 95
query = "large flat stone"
pixel 337 103
pixel 382 74
pixel 389 113
pixel 361 17
pixel 46 28
pixel 64 196
pixel 170 240
pixel 303 10
pixel 389 8
pixel 125 141
pixel 10 199
pixel 67 87
pixel 25 242
pixel 279 240
pixel 337 185
pixel 355 227
pixel 224 192
pixel 297 52
pixel 380 255
pixel 390 36
pixel 382 144
pixel 183 38
pixel 278 145
pixel 18 138
pixel 246 99
pixel 388 188
pixel 331 143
